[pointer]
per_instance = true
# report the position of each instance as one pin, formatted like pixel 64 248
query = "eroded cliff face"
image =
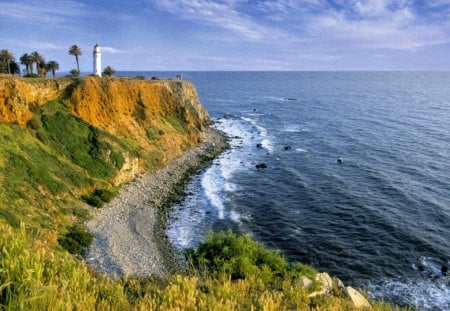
pixel 153 113
pixel 20 97
pixel 159 119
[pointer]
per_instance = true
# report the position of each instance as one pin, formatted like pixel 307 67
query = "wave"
pixel 266 142
pixel 213 188
pixel 429 289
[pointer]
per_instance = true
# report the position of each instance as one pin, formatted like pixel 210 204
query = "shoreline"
pixel 129 232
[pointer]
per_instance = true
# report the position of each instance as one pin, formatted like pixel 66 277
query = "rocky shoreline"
pixel 129 232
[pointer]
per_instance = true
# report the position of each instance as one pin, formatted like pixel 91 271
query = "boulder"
pixel 358 300
pixel 305 282
pixel 287 147
pixel 325 279
pixel 338 284
pixel 261 166
pixel 259 145
pixel 327 284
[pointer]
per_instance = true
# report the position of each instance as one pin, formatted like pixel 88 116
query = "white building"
pixel 97 61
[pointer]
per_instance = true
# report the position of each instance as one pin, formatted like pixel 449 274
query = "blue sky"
pixel 234 34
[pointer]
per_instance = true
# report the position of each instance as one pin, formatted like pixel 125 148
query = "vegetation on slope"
pixel 34 276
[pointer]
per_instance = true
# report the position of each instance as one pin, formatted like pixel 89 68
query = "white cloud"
pixel 220 14
pixel 111 50
pixel 375 24
pixel 42 12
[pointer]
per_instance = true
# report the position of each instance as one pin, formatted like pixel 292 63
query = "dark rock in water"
pixel 287 147
pixel 261 166
pixel 444 268
pixel 290 98
pixel 254 109
pixel 259 145
pixel 340 160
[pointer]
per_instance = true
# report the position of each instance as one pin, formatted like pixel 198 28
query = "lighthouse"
pixel 97 61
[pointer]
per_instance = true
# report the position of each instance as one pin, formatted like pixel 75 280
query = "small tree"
pixel 74 73
pixel 109 71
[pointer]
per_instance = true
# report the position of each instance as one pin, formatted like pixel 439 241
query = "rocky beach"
pixel 129 232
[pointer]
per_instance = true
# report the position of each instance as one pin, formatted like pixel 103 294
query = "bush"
pixel 76 239
pixel 74 73
pixel 99 197
pixel 109 71
pixel 153 133
pixel 31 75
pixel 240 258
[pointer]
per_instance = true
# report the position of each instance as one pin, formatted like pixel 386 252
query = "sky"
pixel 181 35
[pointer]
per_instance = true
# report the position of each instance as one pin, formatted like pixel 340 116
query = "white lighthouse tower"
pixel 97 61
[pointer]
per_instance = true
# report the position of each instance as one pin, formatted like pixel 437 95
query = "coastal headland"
pixel 70 145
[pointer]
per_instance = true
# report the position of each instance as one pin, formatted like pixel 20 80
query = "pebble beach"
pixel 129 232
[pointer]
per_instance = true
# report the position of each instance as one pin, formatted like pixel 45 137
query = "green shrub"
pixel 99 197
pixel 82 214
pixel 117 159
pixel 226 253
pixel 31 75
pixel 76 239
pixel 153 133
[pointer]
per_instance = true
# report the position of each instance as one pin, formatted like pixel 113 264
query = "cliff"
pixel 66 137
pixel 159 119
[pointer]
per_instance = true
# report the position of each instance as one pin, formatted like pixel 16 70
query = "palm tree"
pixel 27 60
pixel 41 66
pixel 52 66
pixel 37 59
pixel 6 57
pixel 109 71
pixel 75 51
pixel 14 68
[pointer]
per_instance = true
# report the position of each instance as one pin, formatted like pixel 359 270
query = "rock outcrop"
pixel 330 286
pixel 20 97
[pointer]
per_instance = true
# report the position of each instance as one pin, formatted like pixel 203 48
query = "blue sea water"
pixel 377 219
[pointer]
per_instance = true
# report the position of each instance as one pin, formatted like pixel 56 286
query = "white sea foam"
pixel 262 132
pixel 211 183
pixel 301 150
pixel 295 128
pixel 420 293
pixel 213 188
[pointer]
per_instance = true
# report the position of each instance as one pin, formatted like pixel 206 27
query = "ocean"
pixel 357 181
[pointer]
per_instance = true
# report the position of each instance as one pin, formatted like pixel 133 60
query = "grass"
pixel 177 124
